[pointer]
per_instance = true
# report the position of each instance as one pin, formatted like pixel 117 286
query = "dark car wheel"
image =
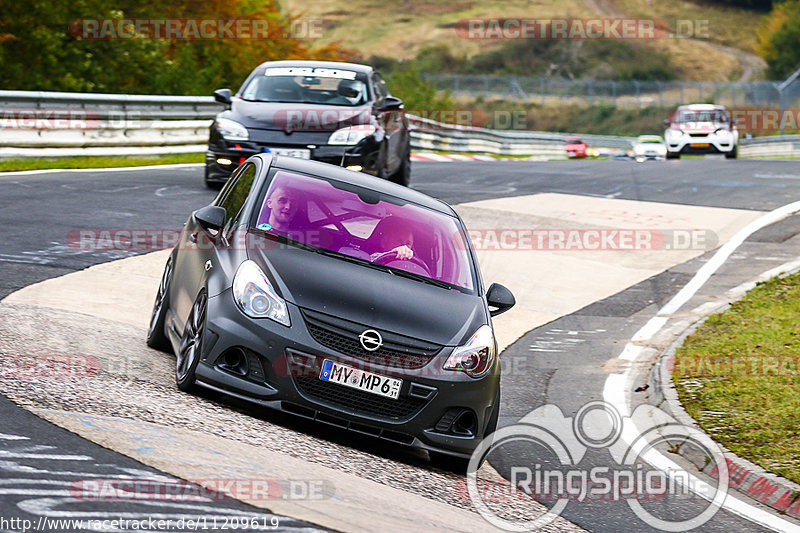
pixel 191 344
pixel 212 184
pixel 156 336
pixel 673 155
pixel 402 175
pixel 732 154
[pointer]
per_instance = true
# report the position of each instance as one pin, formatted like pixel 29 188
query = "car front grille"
pixel 357 401
pixel 341 336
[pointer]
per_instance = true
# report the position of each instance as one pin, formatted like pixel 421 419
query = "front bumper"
pixel 282 373
pixel 706 144
pixel 364 155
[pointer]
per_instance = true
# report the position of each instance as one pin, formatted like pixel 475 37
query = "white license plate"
pixel 360 379
pixel 300 153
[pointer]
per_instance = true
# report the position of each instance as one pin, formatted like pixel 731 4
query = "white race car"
pixel 649 147
pixel 701 129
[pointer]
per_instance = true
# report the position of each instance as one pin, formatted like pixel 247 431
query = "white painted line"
pixel 5 436
pixel 50 457
pixel 616 387
pixel 432 157
pixel 113 169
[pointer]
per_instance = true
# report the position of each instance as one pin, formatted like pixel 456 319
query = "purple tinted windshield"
pixel 361 223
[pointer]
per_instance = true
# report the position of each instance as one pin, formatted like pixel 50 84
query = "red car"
pixel 575 147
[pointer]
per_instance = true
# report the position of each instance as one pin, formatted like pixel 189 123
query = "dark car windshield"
pixel 301 85
pixel 359 223
pixel 574 141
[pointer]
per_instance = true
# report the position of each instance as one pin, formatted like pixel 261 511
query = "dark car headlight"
pixel 476 357
pixel 231 130
pixel 352 135
pixel 255 296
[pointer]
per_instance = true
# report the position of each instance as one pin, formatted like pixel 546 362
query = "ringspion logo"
pixel 553 458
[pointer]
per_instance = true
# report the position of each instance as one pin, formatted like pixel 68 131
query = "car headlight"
pixel 674 133
pixel 255 296
pixel 231 130
pixel 661 149
pixel 351 135
pixel 475 358
pixel 638 149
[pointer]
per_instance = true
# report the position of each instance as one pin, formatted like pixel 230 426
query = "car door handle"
pixel 193 237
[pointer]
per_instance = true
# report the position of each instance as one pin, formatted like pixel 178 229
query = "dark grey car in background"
pixel 338 113
pixel 289 292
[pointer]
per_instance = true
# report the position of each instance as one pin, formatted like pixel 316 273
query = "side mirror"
pixel 667 122
pixel 210 217
pixel 390 103
pixel 500 297
pixel 223 96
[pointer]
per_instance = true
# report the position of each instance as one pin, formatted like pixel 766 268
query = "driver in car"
pixel 283 205
pixel 397 237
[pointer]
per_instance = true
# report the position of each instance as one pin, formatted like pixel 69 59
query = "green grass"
pixel 401 30
pixel 738 375
pixel 9 165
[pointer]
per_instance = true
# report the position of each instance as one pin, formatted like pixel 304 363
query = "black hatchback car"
pixel 338 297
pixel 338 113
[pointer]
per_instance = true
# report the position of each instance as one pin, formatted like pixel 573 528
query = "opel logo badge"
pixel 370 340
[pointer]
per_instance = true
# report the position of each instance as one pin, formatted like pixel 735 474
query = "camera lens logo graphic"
pixel 630 443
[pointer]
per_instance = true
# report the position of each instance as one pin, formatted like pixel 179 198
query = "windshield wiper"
pixel 350 259
pixel 420 277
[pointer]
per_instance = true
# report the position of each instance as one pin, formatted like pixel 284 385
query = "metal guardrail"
pixel 121 124
pixel 785 146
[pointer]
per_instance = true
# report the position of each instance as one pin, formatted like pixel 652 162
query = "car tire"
pixel 732 154
pixel 156 335
pixel 402 175
pixel 214 185
pixel 190 349
pixel 673 155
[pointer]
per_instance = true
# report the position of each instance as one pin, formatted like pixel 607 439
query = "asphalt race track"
pixel 561 362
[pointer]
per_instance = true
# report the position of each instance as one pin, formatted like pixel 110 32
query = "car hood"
pixel 371 297
pixel 296 117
